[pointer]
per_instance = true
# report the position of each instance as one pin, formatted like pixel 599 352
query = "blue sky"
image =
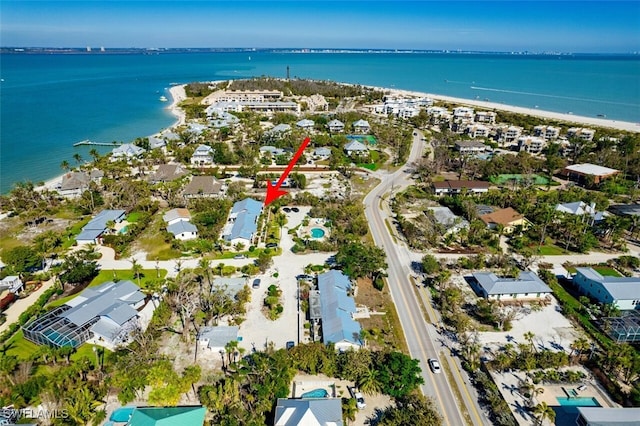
pixel 572 26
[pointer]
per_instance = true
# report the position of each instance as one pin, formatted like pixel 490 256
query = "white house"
pixel 581 133
pixel 322 153
pixel 202 156
pixel 183 230
pixel 13 283
pixel 337 308
pixel 527 286
pixel 547 132
pixel 361 126
pixel 280 129
pixel 470 147
pixel 335 126
pixel 580 208
pixel 75 183
pixel 176 215
pixel 531 144
pixel 305 124
pixel 463 114
pixel 477 130
pixel 355 148
pixel 126 151
pixel 624 292
pixel 485 117
pixel 242 222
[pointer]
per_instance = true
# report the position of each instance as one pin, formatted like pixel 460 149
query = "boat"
pixel 602 115
pixel 163 99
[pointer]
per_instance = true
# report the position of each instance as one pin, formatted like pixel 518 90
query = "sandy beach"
pixel 178 95
pixel 570 118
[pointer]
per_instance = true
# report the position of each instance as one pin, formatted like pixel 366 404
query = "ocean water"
pixel 49 102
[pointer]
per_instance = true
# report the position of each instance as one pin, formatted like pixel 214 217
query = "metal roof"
pixel 181 227
pixel 246 215
pixel 336 308
pixel 527 282
pixel 100 221
pixel 108 295
pixel 177 213
pixel 591 169
pixel 355 146
pixel 620 288
pixel 605 416
pixel 310 412
pixel 218 336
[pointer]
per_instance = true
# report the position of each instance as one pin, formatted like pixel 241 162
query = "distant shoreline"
pixel 569 118
pixel 178 95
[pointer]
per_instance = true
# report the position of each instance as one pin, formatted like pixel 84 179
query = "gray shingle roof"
pixel 527 282
pixel 205 185
pixel 336 308
pixel 322 412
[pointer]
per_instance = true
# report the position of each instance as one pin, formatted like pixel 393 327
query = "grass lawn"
pixel 152 241
pixel 606 271
pixel 71 233
pixel 551 250
pixel 133 217
pixel 20 347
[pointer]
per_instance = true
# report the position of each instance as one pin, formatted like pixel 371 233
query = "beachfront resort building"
pixel 586 172
pixel 93 231
pixel 469 147
pixel 452 187
pixel 581 133
pixel 526 286
pixel 485 117
pixel 463 114
pixel 337 308
pixel 439 114
pixel 202 187
pixel 623 292
pixel 308 411
pixel 507 218
pixel 531 144
pixel 508 135
pixel 477 130
pixel 202 156
pixel 105 314
pixel 242 223
pixel 546 132
pixel 246 96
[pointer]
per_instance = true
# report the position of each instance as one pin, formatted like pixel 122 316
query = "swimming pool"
pixel 577 402
pixel 124 229
pixel 316 393
pixel 317 232
pixel 122 414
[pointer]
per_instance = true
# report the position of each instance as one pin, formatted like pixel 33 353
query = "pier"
pixel 88 142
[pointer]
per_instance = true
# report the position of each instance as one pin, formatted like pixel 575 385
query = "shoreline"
pixel 178 95
pixel 570 118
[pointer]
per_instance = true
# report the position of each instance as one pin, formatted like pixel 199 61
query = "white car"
pixel 358 397
pixel 435 365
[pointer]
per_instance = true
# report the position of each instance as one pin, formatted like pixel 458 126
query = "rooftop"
pixel 218 336
pixel 591 169
pixel 620 288
pixel 308 412
pixel 246 214
pixel 336 308
pixel 527 282
pixel 502 216
pixel 604 416
pixel 206 185
pixel 177 213
pixel 181 227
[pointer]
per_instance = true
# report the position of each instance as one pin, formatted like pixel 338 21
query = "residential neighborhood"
pixel 435 259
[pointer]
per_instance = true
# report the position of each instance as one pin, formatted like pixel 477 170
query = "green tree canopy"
pixel 21 259
pixel 361 260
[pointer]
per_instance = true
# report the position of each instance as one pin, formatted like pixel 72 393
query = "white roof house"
pixel 306 124
pixel 126 150
pixel 216 338
pixel 624 292
pixel 361 126
pixel 323 152
pixel 280 128
pixel 335 126
pixel 527 286
pixel 203 155
pixel 580 208
pixel 355 147
pixel 183 230
pixel 176 215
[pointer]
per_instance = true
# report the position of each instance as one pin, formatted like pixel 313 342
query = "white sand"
pixel 577 119
pixel 178 94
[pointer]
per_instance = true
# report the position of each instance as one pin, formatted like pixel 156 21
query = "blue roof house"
pixel 97 226
pixel 243 222
pixel 336 311
pixel 623 292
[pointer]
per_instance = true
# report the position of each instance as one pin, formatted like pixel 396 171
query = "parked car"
pixel 290 344
pixel 272 245
pixel 240 256
pixel 357 395
pixel 256 283
pixel 434 364
pixel 295 209
pixel 286 210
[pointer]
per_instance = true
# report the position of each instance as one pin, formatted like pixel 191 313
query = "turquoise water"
pixel 49 102
pixel 122 414
pixel 577 402
pixel 317 233
pixel 316 393
pixel 123 230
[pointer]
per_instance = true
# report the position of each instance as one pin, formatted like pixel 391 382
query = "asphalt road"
pixel 421 337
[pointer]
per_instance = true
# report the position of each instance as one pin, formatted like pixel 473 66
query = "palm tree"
pixel 369 382
pixel 349 410
pixel 136 268
pixel 94 154
pixel 544 412
pixel 78 158
pixel 529 336
pixel 65 165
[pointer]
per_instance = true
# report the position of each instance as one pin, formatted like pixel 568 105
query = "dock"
pixel 88 142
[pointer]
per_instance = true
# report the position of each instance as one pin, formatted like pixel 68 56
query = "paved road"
pixel 421 337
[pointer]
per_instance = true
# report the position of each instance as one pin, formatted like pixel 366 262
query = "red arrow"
pixel 274 192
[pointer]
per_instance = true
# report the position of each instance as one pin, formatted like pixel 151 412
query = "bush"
pixel 378 284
